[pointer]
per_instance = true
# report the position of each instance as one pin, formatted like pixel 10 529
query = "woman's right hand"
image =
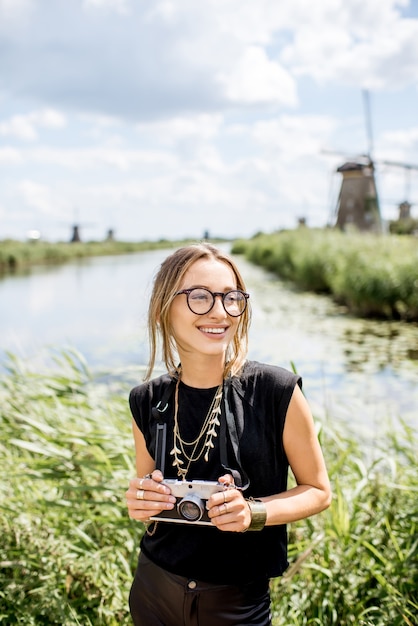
pixel 147 496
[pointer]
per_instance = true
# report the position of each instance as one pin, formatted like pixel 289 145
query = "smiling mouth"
pixel 213 331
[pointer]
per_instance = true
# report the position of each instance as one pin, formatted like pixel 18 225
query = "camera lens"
pixel 191 508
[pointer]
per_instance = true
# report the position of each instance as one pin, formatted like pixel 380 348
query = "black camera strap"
pixel 227 425
pixel 241 479
pixel 161 435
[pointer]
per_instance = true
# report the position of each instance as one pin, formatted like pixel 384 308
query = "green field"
pixel 370 275
pixel 16 256
pixel 68 548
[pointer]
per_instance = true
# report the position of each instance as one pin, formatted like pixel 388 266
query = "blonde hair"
pixel 166 284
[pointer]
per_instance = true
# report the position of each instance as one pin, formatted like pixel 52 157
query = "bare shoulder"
pixel 301 443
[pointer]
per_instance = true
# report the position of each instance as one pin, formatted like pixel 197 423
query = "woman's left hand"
pixel 228 509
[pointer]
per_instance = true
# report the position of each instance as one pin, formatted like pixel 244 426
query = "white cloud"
pixel 168 58
pixel 10 156
pixel 26 127
pixel 400 146
pixel 256 79
pixel 103 160
pixel 294 136
pixel 361 43
pixel 179 128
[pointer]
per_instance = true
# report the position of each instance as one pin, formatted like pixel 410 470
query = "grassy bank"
pixel 374 276
pixel 68 547
pixel 18 256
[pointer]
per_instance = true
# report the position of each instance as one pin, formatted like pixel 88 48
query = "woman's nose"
pixel 218 304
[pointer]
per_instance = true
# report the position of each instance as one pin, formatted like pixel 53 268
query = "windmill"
pixel 358 204
pixel 358 201
pixel 75 227
pixel 404 207
pixel 75 234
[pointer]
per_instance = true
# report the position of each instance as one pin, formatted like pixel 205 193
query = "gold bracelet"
pixel 258 514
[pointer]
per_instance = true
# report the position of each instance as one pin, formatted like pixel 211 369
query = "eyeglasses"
pixel 200 300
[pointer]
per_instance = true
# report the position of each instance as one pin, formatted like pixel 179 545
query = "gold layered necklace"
pixel 203 444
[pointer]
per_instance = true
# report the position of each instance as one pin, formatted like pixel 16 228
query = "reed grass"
pixel 357 563
pixel 69 549
pixel 17 256
pixel 371 275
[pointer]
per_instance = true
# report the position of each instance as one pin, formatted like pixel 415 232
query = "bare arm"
pixel 313 492
pixel 145 464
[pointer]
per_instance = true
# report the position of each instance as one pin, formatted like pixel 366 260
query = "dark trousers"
pixel 158 598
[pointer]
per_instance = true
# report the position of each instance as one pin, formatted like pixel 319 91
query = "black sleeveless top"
pixel 259 398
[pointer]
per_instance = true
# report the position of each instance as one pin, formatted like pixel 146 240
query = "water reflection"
pixel 380 344
pixel 95 305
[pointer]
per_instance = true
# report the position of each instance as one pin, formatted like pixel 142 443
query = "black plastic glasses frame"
pixel 214 294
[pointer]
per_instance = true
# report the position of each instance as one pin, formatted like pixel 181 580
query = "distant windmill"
pixel 76 232
pixel 405 205
pixel 75 236
pixel 358 202
pixel 78 227
pixel 75 229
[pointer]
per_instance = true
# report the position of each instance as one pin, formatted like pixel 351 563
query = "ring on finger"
pixel 225 507
pixel 140 494
pixel 224 495
pixel 141 481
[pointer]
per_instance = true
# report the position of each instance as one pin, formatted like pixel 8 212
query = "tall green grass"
pixel 371 275
pixel 19 255
pixel 357 563
pixel 68 549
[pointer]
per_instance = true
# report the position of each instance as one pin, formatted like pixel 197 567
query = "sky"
pixel 170 119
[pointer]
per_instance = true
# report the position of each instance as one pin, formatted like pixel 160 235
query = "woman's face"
pixel 211 333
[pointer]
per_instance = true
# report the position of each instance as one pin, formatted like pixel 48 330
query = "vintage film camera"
pixel 191 497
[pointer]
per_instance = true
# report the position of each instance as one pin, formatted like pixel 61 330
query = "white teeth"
pixel 214 331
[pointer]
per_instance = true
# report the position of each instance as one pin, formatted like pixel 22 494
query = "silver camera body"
pixel 191 497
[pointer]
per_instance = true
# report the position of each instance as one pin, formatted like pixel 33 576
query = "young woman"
pixel 233 424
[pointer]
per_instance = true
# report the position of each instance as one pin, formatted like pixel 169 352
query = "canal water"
pixel 362 372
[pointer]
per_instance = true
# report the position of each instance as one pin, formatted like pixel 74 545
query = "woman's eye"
pixel 201 297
